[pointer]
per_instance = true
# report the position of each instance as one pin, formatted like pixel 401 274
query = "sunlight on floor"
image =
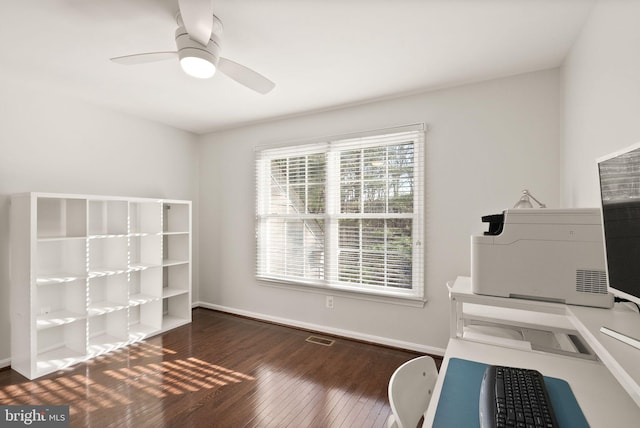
pixel 157 379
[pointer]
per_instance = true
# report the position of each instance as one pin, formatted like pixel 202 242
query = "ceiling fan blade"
pixel 245 76
pixel 197 16
pixel 144 57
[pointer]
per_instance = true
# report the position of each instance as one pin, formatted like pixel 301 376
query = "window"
pixel 346 213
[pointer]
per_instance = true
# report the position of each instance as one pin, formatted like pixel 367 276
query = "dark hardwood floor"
pixel 221 371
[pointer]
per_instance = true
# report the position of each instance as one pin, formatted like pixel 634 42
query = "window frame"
pixel 331 216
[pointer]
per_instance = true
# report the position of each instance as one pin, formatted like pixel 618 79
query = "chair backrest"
pixel 410 389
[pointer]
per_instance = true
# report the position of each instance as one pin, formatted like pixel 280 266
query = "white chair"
pixel 410 389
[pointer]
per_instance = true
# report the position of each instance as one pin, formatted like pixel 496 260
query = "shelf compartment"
pixel 57 359
pixel 60 346
pixel 175 279
pixel 145 251
pixel 145 320
pixel 108 256
pixel 108 217
pixel 107 332
pixel 104 343
pixel 108 294
pixel 145 217
pixel 145 285
pixel 60 303
pixel 175 248
pixel 61 217
pixel 176 311
pixel 61 260
pixel 176 217
pixel 170 322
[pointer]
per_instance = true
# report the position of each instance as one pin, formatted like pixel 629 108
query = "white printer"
pixel 543 254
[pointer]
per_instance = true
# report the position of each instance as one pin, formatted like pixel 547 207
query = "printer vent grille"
pixel 591 281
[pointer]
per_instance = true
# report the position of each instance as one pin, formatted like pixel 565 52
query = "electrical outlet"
pixel 329 302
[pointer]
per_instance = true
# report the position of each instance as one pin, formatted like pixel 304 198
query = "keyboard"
pixel 515 397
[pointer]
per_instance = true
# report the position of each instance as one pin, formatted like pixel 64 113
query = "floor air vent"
pixel 320 340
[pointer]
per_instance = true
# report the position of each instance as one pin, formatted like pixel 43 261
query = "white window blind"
pixel 344 213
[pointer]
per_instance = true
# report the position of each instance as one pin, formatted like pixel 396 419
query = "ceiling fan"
pixel 198 44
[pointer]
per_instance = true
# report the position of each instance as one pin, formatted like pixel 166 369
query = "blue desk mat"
pixel 458 405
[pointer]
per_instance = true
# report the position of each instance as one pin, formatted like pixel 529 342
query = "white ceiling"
pixel 321 54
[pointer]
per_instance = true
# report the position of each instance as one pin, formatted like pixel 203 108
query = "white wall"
pixel 601 96
pixel 49 143
pixel 486 142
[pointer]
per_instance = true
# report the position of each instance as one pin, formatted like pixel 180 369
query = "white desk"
pixel 621 359
pixel 602 399
pixel 607 390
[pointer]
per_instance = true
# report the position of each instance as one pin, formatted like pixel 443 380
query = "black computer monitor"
pixel 620 196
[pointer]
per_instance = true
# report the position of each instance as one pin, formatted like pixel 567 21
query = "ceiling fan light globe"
pixel 197 67
pixel 197 60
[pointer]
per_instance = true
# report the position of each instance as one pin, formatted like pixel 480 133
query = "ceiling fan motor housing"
pixel 188 47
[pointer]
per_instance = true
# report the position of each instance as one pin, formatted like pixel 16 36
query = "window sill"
pixel 372 296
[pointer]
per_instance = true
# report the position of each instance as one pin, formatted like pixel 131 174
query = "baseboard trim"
pixel 385 341
pixel 308 326
pixel 5 363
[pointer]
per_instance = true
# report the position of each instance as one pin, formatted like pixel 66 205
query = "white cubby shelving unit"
pixel 91 274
